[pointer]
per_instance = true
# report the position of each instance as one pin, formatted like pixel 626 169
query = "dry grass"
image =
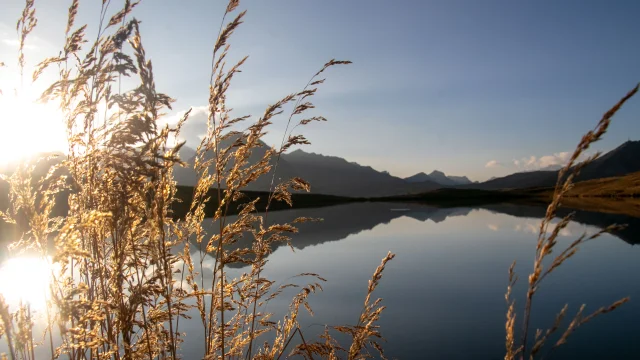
pixel 126 276
pixel 623 206
pixel 547 243
pixel 627 186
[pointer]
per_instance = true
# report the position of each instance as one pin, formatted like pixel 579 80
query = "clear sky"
pixel 478 87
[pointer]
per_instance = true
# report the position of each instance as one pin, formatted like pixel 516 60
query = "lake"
pixel 444 291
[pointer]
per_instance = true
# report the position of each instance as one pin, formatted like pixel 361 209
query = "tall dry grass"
pixel 544 263
pixel 126 277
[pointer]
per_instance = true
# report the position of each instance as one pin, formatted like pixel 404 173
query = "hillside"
pixel 327 175
pixel 621 161
pixel 336 176
pixel 330 175
pixel 517 181
pixel 419 177
pixel 616 187
pixel 186 176
pixel 625 186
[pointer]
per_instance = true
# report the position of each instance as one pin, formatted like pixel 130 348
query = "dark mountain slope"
pixel 621 161
pixel 336 176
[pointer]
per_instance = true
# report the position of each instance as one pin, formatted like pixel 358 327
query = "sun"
pixel 28 127
pixel 26 280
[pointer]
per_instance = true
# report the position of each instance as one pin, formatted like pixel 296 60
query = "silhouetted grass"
pixel 125 275
pixel 545 264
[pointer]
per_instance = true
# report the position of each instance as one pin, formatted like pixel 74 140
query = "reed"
pixel 125 275
pixel 544 264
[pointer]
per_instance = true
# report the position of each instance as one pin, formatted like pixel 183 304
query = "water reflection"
pixel 444 291
pixel 600 220
pixel 342 221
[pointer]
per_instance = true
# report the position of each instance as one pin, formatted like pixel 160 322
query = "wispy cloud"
pixel 532 163
pixel 546 161
pixel 532 226
pixel 195 127
pixel 556 160
pixel 15 43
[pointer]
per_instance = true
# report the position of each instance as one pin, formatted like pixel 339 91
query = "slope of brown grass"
pixel 624 186
pixel 619 186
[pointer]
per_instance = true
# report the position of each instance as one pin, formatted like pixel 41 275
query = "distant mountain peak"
pixel 337 176
pixel 439 177
pixel 462 180
pixel 419 177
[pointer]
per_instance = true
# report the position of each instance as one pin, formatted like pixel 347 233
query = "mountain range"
pixel 333 175
pixel 440 178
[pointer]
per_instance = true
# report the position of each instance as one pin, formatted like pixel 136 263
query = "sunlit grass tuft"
pixel 126 272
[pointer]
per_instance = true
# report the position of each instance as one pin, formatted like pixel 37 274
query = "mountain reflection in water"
pixel 341 221
pixel 444 291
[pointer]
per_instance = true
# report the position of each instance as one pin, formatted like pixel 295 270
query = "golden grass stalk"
pixel 125 267
pixel 547 242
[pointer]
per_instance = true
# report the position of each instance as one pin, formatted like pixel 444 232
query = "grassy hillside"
pixel 618 186
pixel 622 186
pixel 621 161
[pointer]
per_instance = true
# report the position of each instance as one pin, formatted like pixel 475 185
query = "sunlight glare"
pixel 28 128
pixel 26 279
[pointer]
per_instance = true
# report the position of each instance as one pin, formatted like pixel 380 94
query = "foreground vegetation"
pixel 125 276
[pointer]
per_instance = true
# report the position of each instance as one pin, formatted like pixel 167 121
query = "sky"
pixel 475 88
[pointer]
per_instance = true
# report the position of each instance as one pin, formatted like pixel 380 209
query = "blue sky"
pixel 472 88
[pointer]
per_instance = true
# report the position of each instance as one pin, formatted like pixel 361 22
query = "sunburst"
pixel 28 127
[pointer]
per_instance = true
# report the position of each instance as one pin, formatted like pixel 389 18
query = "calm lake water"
pixel 444 291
